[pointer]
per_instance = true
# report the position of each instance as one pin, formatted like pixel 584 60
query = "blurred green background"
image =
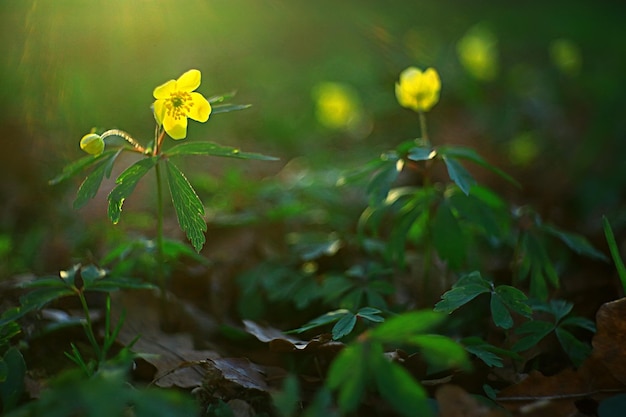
pixel 536 87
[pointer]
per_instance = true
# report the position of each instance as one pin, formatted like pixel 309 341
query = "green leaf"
pixel 225 108
pixel 472 155
pixel 213 149
pixel 12 388
pixel 400 390
pixel 581 322
pixel 371 314
pixel 421 153
pixel 400 328
pixel 83 163
pixel 514 299
pixel 221 97
pixel 348 375
pixel 575 349
pixel 126 183
pixel 380 184
pixel 615 253
pixel 89 187
pixel 344 326
pixel 461 177
pixel 189 208
pixel 324 319
pixel 536 331
pixel 575 242
pixel 448 237
pixel 465 290
pixel 499 313
pixel 441 352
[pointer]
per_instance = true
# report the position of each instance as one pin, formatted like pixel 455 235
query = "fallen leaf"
pixel 454 401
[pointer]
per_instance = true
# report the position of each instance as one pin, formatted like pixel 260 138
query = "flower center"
pixel 179 104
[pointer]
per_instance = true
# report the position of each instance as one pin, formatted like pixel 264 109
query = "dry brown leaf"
pixel 169 354
pixel 609 342
pixel 281 342
pixel 454 401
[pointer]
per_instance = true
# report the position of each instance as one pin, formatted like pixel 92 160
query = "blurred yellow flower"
pixel 176 101
pixel 418 90
pixel 92 143
pixel 478 53
pixel 337 105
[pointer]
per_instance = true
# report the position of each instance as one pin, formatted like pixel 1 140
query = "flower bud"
pixel 92 144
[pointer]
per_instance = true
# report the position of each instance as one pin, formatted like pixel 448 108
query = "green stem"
pixel 90 334
pixel 423 128
pixel 159 243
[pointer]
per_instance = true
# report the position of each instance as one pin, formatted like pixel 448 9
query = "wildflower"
pixel 92 143
pixel 418 90
pixel 176 101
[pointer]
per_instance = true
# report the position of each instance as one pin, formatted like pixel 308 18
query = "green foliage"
pixel 189 208
pixel 344 320
pixel 615 254
pixel 126 183
pixel 362 364
pixel 562 323
pixel 504 299
pixel 12 373
pixel 106 393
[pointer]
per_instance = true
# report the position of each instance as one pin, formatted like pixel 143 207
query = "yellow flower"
pixel 92 143
pixel 176 101
pixel 418 90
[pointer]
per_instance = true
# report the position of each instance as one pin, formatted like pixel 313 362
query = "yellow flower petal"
pixel 201 109
pixel 189 81
pixel 176 128
pixel 163 91
pixel 159 111
pixel 418 90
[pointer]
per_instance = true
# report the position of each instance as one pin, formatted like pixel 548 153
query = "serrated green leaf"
pixel 83 163
pixel 12 388
pixel 188 207
pixel 459 175
pixel 575 242
pixel 400 390
pixel 400 328
pixel 448 237
pixel 126 183
pixel 499 313
pixel 213 149
pixel 514 299
pixel 91 184
pixel 344 326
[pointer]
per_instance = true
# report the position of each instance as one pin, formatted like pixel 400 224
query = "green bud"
pixel 92 144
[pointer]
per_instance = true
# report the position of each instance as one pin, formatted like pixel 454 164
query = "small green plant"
pixel 362 365
pixel 175 103
pixel 562 323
